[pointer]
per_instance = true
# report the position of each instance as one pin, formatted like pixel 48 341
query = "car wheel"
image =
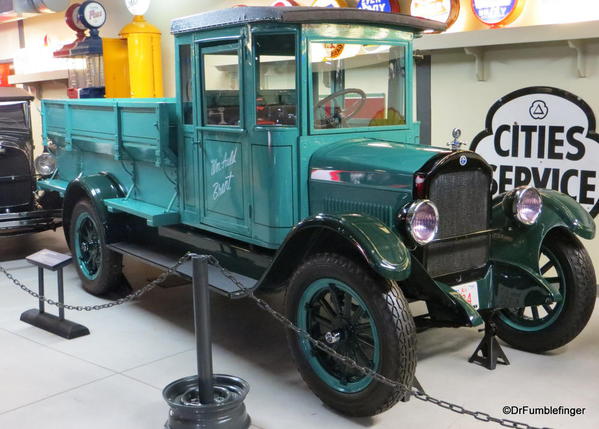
pixel 99 268
pixel 360 315
pixel 563 261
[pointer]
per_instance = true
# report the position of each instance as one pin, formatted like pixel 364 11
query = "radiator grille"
pixel 462 198
pixel 15 178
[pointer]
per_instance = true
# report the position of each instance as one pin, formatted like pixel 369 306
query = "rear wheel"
pixel 100 269
pixel 564 262
pixel 343 304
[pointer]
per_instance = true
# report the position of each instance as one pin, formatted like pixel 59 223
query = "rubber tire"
pixel 110 277
pixel 395 324
pixel 581 293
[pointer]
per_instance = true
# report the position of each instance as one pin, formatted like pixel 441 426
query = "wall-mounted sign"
pixel 497 12
pixel 329 3
pixel 446 11
pixel 379 5
pixel 92 14
pixel 543 137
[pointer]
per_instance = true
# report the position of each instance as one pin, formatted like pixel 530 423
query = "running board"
pixel 164 258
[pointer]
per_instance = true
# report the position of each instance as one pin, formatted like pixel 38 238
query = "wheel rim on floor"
pixel 334 313
pixel 87 246
pixel 537 317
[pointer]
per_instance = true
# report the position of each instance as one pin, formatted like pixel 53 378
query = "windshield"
pixel 356 85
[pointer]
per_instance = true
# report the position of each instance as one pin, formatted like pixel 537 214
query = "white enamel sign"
pixel 543 137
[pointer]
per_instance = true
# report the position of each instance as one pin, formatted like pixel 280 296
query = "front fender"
pixel 520 245
pixel 380 247
pixel 97 188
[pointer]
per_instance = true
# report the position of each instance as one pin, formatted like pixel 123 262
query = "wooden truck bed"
pixel 133 139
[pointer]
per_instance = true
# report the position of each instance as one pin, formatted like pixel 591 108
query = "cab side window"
pixel 221 87
pixel 186 83
pixel 276 95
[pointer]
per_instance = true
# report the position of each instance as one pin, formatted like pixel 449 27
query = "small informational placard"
pixel 49 259
pixel 543 137
pixel 468 291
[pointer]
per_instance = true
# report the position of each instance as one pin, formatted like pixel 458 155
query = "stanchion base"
pixel 51 323
pixel 227 412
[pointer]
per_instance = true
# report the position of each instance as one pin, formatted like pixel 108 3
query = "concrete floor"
pixel 113 378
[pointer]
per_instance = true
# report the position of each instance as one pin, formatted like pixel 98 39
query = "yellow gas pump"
pixel 145 58
pixel 133 63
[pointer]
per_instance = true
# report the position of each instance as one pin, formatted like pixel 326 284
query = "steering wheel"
pixel 339 117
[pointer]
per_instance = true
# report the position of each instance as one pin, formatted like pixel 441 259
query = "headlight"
pixel 45 164
pixel 422 220
pixel 527 205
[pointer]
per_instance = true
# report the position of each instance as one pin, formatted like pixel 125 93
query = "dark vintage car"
pixel 22 208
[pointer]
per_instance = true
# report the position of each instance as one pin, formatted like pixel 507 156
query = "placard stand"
pixel 53 261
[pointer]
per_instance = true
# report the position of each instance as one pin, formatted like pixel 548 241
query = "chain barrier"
pixel 132 296
pixel 211 260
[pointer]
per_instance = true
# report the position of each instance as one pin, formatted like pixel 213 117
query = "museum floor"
pixel 113 378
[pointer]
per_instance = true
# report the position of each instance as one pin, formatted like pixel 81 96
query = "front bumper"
pixel 29 222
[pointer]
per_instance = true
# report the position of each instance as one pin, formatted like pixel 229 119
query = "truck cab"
pixel 259 96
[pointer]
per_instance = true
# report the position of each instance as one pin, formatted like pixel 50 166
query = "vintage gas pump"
pixel 86 65
pixel 144 51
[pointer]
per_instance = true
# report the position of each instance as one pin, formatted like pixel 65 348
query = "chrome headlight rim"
pixel 411 212
pixel 519 195
pixel 39 167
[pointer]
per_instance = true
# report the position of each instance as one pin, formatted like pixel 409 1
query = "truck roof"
pixel 300 15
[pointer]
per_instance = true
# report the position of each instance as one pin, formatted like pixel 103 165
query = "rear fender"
pixel 365 236
pixel 96 188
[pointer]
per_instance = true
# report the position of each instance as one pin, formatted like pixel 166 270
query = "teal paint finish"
pixel 252 182
pixel 56 185
pixel 154 215
pixel 520 245
pixel 271 176
pixel 225 182
pixel 522 324
pixel 381 248
pixel 510 286
pixel 572 215
pixel 400 160
pixel 305 322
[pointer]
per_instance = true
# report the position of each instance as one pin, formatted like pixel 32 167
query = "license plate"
pixel 469 292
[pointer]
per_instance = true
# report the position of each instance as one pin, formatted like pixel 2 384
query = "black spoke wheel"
pixel 343 304
pixel 564 262
pixel 99 268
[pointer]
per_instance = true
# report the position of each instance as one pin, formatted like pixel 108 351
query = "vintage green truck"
pixel 291 153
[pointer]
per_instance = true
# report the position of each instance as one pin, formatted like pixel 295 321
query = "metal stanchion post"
pixel 60 293
pixel 206 401
pixel 40 286
pixel 201 309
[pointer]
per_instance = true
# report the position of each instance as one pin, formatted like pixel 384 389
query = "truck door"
pixel 224 152
pixel 273 133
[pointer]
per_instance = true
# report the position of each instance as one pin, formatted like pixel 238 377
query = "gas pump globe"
pixel 86 64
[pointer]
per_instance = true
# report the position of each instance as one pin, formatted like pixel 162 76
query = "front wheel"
pixel 365 318
pixel 99 268
pixel 565 262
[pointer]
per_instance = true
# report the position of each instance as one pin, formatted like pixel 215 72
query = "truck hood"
pixel 371 162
